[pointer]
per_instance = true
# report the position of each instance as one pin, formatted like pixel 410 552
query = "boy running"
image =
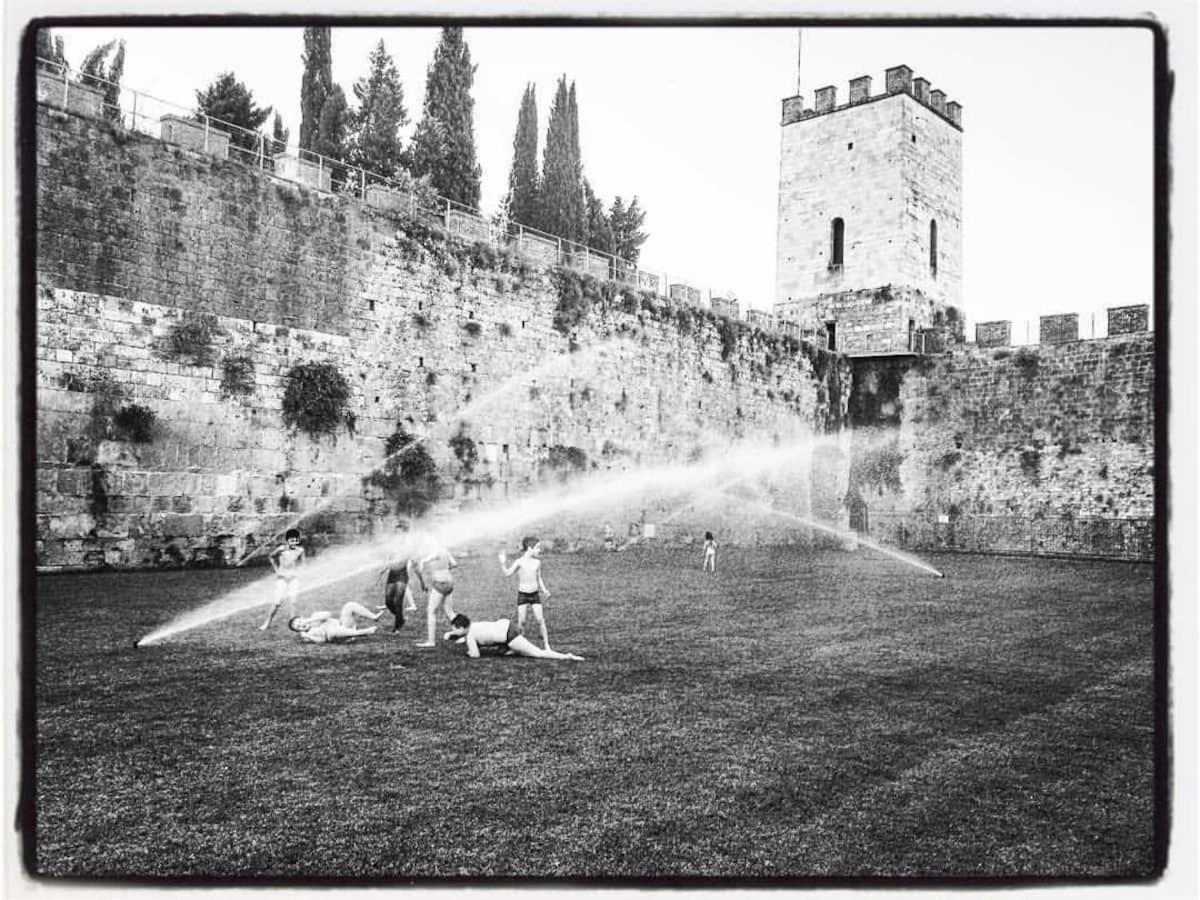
pixel 500 633
pixel 287 559
pixel 530 586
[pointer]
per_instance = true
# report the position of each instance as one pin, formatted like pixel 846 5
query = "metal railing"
pixel 138 111
pixel 1099 538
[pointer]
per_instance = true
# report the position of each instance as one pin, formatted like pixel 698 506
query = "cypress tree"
pixel 598 232
pixel 332 130
pixel 562 209
pixel 375 126
pixel 316 83
pixel 95 73
pixel 443 146
pixel 49 49
pixel 523 177
pixel 279 135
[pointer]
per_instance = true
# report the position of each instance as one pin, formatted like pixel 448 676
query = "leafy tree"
pixel 562 207
pixel 375 126
pixel 598 232
pixel 443 145
pixel 97 72
pixel 626 226
pixel 523 177
pixel 279 135
pixel 49 49
pixel 230 101
pixel 316 84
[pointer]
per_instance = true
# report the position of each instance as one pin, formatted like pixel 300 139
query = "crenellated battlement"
pixel 897 80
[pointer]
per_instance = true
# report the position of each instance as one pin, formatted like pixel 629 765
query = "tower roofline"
pixel 897 80
pixel 794 112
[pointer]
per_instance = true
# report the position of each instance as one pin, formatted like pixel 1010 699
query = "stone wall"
pixel 1045 440
pixel 136 237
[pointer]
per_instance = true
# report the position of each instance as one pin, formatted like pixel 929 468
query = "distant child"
pixel 287 560
pixel 441 583
pixel 322 628
pixel 397 594
pixel 710 553
pixel 530 586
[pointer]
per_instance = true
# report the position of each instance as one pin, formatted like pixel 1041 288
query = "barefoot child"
pixel 530 586
pixel 500 633
pixel 397 594
pixel 441 583
pixel 710 553
pixel 287 559
pixel 322 628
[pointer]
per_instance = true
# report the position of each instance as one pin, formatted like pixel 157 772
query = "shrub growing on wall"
pixel 565 461
pixel 237 375
pixel 729 337
pixel 572 306
pixel 315 398
pixel 191 339
pixel 135 423
pixel 408 476
pixel 465 451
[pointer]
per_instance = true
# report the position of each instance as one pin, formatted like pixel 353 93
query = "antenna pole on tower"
pixel 799 37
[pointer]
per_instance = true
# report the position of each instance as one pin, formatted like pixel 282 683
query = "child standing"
pixel 710 553
pixel 397 594
pixel 287 559
pixel 530 586
pixel 441 584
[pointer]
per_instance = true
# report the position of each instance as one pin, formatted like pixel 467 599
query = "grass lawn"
pixel 801 714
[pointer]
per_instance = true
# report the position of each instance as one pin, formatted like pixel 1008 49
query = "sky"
pixel 1057 143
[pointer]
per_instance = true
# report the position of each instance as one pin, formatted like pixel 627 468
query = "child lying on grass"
pixel 322 628
pixel 500 633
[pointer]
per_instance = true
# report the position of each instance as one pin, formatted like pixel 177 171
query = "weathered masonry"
pixel 870 213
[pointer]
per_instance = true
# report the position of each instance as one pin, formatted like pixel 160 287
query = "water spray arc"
pixel 583 359
pixel 888 551
pixel 737 462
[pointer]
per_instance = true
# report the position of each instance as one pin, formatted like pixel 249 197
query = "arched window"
pixel 837 243
pixel 933 247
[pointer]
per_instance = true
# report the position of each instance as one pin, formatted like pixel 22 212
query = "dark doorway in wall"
pixel 831 335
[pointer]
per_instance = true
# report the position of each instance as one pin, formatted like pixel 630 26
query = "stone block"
pixel 993 334
pixel 1128 319
pixel 390 199
pixel 1058 329
pixel 315 174
pixel 203 136
pixel 54 89
pixel 793 110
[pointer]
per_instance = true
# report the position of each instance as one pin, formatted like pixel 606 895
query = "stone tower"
pixel 870 214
